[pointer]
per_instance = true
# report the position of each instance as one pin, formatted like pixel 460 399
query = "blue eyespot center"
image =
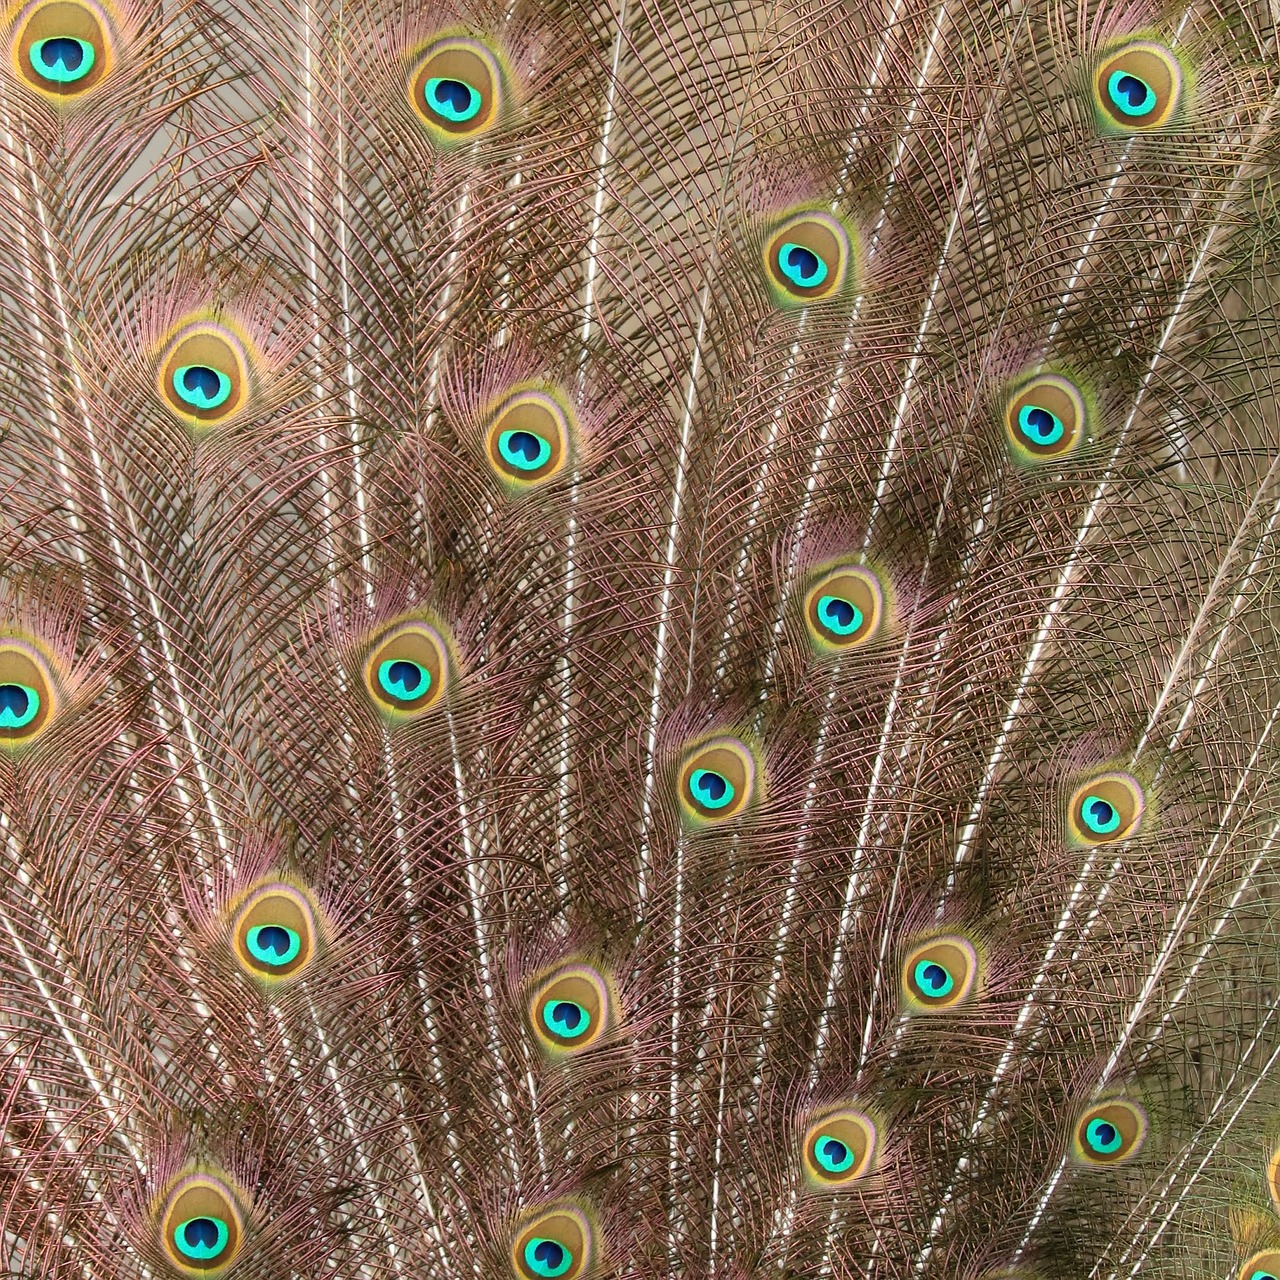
pixel 273 944
pixel 933 979
pixel 454 100
pixel 1259 1274
pixel 524 450
pixel 1040 426
pixel 201 387
pixel 547 1257
pixel 831 1154
pixel 804 268
pixel 710 789
pixel 201 1238
pixel 62 59
pixel 19 706
pixel 1103 1137
pixel 840 616
pixel 1099 815
pixel 565 1018
pixel 1130 94
pixel 403 680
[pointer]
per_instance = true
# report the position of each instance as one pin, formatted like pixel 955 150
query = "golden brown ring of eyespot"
pixel 567 1227
pixel 1056 395
pixel 462 61
pixel 1153 67
pixel 716 780
pixel 1273 1177
pixel 62 20
pixel 201 1198
pixel 822 236
pixel 958 960
pixel 28 700
pixel 844 608
pixel 527 416
pixel 1109 1132
pixel 387 674
pixel 839 1148
pixel 283 907
pixel 1108 807
pixel 577 985
pixel 1266 1262
pixel 211 347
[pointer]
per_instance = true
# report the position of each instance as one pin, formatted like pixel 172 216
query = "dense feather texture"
pixel 638 639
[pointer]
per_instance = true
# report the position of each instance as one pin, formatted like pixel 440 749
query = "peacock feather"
pixel 638 637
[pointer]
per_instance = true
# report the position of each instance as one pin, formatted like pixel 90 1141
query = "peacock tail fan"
pixel 636 638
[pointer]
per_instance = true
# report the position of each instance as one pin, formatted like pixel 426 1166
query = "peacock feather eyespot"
pixel 529 439
pixel 203 374
pixel 717 780
pixel 940 973
pixel 201 1227
pixel 1107 807
pixel 570 1008
pixel 28 698
pixel 1109 1132
pixel 406 671
pixel 807 258
pixel 274 932
pixel 63 49
pixel 1137 86
pixel 1045 417
pixel 556 1244
pixel 844 609
pixel 457 89
pixel 838 1148
pixel 1261 1266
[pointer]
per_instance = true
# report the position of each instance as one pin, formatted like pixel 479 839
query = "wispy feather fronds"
pixel 638 637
